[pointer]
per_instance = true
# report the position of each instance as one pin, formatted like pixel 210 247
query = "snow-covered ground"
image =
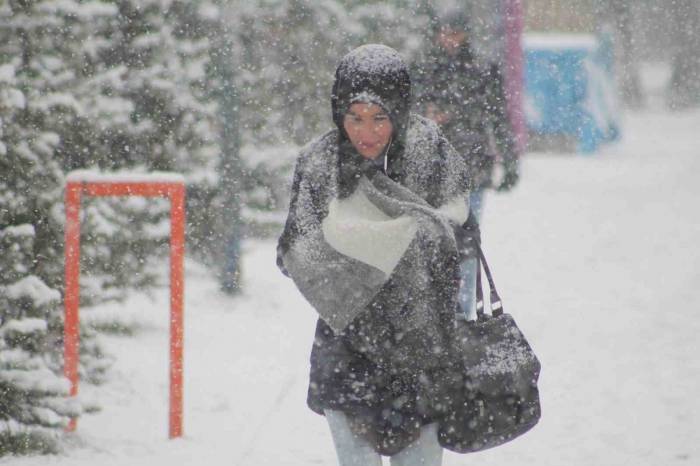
pixel 597 257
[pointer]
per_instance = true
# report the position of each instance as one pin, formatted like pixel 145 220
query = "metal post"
pixel 177 249
pixel 71 327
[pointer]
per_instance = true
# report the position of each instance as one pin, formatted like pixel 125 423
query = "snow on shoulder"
pixel 94 176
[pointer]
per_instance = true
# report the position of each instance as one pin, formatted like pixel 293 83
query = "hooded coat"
pixel 386 307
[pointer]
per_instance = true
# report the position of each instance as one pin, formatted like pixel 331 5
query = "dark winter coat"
pixel 473 97
pixel 379 352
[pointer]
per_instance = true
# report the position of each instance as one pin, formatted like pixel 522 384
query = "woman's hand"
pixel 511 176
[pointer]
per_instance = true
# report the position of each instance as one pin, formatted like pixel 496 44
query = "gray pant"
pixel 355 451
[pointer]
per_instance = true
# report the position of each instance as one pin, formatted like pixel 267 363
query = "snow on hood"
pixel 373 73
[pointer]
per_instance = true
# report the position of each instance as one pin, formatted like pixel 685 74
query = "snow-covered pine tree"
pixel 156 63
pixel 33 398
pixel 52 44
pixel 147 107
pixel 33 403
pixel 150 65
pixel 52 47
pixel 122 85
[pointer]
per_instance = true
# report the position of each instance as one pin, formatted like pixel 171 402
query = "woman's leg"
pixel 467 269
pixel 425 451
pixel 351 450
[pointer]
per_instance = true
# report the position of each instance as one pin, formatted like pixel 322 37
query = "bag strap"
pixel 494 298
pixel 471 226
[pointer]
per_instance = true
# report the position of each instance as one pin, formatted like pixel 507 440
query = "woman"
pixel 370 243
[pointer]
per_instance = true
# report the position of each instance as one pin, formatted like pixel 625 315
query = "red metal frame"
pixel 175 191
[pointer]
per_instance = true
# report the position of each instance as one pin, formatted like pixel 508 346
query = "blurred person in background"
pixel 466 98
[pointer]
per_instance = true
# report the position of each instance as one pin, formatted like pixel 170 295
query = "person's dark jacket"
pixel 368 368
pixel 473 98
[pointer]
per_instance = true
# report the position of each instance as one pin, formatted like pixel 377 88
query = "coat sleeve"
pixel 498 116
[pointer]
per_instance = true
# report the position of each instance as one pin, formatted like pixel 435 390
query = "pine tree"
pixel 164 51
pixel 33 398
pixel 149 108
pixel 33 401
pixel 119 85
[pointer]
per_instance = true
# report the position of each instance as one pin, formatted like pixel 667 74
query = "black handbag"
pixel 499 399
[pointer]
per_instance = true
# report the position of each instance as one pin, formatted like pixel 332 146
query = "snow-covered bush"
pixel 33 395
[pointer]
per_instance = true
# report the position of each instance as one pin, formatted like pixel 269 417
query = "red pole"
pixel 71 328
pixel 177 249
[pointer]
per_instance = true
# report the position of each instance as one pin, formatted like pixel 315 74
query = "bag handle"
pixel 471 227
pixel 494 298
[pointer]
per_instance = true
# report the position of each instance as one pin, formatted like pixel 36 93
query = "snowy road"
pixel 598 258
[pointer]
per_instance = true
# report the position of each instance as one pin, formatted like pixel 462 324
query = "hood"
pixel 376 74
pixel 371 74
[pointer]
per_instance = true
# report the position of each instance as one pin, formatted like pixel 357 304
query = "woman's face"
pixel 369 129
